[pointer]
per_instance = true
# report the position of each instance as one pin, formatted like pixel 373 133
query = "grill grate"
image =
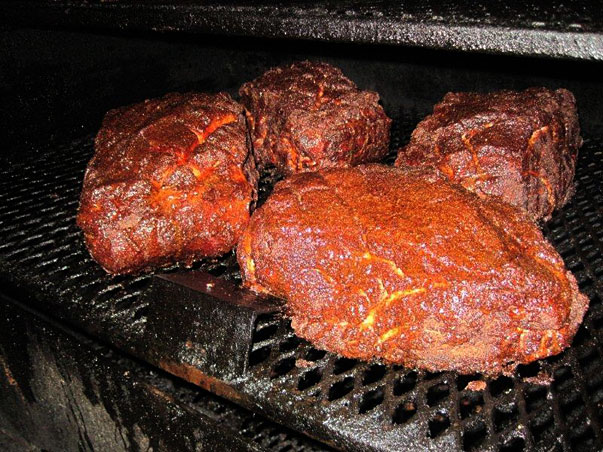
pixel 352 404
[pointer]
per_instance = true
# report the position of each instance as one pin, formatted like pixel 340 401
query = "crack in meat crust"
pixel 308 116
pixel 402 265
pixel 171 181
pixel 521 146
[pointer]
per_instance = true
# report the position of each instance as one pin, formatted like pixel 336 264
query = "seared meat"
pixel 379 262
pixel 309 115
pixel 171 181
pixel 521 146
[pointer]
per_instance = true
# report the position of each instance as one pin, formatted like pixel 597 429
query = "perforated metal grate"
pixel 354 405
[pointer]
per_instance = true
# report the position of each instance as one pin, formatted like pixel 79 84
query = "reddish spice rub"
pixel 308 116
pixel 379 262
pixel 521 146
pixel 171 181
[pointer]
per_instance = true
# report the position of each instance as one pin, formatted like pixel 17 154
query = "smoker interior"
pixel 64 383
pixel 62 84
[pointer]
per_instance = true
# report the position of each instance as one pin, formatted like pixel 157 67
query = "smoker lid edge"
pixel 552 37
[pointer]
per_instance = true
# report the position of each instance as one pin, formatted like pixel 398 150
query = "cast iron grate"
pixel 353 404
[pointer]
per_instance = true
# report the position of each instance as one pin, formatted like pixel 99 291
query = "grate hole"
pixel 291 343
pixel 264 320
pixel 126 302
pixel 513 445
pixel 247 431
pixel 140 314
pixel 265 333
pixel 140 284
pixel 109 294
pixel 315 355
pixel 528 370
pixel 471 404
pixel 438 424
pixel 535 398
pixel 584 440
pixel 437 393
pixel 259 356
pixel 584 283
pixel 504 417
pixel 373 373
pixel 501 385
pixel 543 427
pixel 283 367
pixel 554 360
pixel 404 412
pixel 343 365
pixel 217 271
pixel 590 360
pixel 371 399
pixel 309 379
pixel 581 337
pixel 474 436
pixel 341 388
pixel 406 383
pixel 572 408
pixel 567 254
pixel 590 252
pixel 595 387
pixel 563 379
pixel 431 375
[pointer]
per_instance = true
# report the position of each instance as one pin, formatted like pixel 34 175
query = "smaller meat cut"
pixel 403 265
pixel 171 180
pixel 308 116
pixel 519 145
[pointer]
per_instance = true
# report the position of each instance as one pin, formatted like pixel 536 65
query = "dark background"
pixel 55 84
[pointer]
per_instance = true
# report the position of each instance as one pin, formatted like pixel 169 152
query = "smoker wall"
pixel 58 83
pixel 61 393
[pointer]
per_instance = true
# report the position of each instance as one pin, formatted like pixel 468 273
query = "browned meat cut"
pixel 171 181
pixel 379 262
pixel 308 116
pixel 521 146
